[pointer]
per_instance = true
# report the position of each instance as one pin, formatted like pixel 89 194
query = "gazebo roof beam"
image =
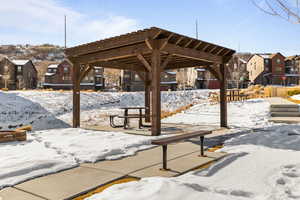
pixel 179 40
pixel 207 45
pixel 144 62
pixel 192 54
pixel 122 52
pixel 166 61
pixel 214 48
pixel 197 45
pixel 188 43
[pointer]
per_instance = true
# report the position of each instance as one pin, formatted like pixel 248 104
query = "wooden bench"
pixel 173 139
pixel 126 117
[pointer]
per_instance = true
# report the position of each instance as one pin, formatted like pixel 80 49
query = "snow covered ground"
pixel 248 114
pixel 53 109
pixel 49 151
pixel 296 97
pixel 262 165
pixel 263 161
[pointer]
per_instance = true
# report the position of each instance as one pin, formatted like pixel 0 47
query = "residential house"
pixel 205 79
pixel 292 70
pixel 267 69
pixel 130 81
pixel 17 74
pixel 59 76
pixel 237 76
pixel 186 78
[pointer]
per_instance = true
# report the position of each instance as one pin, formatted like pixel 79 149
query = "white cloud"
pixel 44 19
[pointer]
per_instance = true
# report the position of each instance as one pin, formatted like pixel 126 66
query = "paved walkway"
pixel 279 101
pixel 182 157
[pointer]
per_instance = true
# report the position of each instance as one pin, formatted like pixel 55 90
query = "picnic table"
pixel 128 116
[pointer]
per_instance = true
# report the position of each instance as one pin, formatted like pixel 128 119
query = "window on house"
pixel 278 61
pixel 136 77
pixel 267 61
pixel 19 69
pixel 66 69
pixel 278 69
pixel 97 70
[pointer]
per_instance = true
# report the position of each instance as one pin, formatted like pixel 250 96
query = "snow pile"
pixel 54 150
pixel 21 161
pixel 53 109
pixel 91 146
pixel 170 100
pixel 247 114
pixel 296 97
pixel 260 165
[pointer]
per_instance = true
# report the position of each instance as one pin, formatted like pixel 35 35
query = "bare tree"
pixel 286 9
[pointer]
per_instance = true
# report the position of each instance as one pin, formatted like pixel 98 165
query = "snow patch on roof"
pixel 53 66
pixel 49 74
pixel 20 62
pixel 172 73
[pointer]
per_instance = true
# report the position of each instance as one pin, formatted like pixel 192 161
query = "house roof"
pixel 265 55
pixel 20 62
pixel 242 60
pixel 200 69
pixel 172 73
pixel 294 57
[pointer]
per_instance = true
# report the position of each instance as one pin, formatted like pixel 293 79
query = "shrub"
pixel 293 92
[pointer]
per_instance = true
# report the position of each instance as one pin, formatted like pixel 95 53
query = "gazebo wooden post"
pixel 147 96
pixel 223 96
pixel 76 95
pixel 155 95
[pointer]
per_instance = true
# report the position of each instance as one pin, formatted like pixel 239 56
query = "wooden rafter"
pixel 192 54
pixel 144 62
pixel 197 45
pixel 214 48
pixel 205 47
pixel 218 53
pixel 179 40
pixel 166 61
pixel 164 42
pixel 157 34
pixel 188 43
pixel 122 52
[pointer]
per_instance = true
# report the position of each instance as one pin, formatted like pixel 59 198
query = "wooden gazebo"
pixel 148 52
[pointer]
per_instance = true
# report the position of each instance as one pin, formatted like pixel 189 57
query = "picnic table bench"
pixel 164 142
pixel 127 116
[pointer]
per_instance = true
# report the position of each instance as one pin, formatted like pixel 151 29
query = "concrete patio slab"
pixel 166 128
pixel 15 194
pixel 67 183
pixel 179 165
pixel 144 159
pixel 279 101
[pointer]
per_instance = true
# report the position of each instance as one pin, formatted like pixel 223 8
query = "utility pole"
pixel 65 31
pixel 196 29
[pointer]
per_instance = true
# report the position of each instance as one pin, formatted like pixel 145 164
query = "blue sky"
pixel 237 24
